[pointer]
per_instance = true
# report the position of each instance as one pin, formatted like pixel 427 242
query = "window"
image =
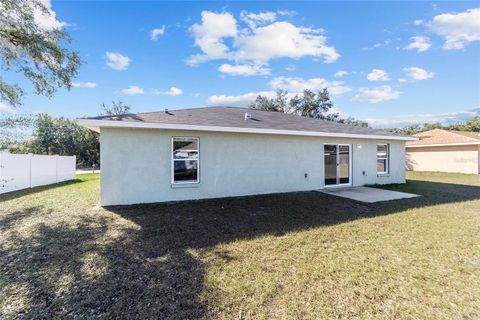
pixel 382 158
pixel 185 160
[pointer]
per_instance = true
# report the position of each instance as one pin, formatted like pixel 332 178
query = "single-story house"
pixel 445 151
pixel 228 151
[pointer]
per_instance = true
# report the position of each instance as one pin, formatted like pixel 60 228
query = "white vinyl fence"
pixel 21 171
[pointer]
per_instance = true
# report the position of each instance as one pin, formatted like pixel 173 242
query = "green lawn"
pixel 286 256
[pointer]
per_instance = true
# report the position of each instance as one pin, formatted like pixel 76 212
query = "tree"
pixel 308 104
pixel 314 105
pixel 34 49
pixel 471 125
pixel 355 122
pixel 63 137
pixel 117 108
pixel 15 129
pixel 278 104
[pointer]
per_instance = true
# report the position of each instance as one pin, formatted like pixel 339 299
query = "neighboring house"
pixel 227 151
pixel 445 150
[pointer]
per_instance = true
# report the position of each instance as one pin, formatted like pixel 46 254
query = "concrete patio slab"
pixel 366 194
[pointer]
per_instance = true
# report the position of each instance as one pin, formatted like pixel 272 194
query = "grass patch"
pixel 300 255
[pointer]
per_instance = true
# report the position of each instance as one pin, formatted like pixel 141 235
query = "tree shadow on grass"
pixel 150 271
pixel 24 192
pixel 206 223
pixel 65 272
pixel 7 221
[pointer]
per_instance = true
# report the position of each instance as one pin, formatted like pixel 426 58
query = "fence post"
pixel 1 171
pixel 30 156
pixel 56 168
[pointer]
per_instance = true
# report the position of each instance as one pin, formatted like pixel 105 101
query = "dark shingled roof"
pixel 235 117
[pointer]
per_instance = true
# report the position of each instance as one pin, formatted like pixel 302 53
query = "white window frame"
pixel 350 165
pixel 387 158
pixel 173 182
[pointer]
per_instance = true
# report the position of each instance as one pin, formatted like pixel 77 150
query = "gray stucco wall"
pixel 136 164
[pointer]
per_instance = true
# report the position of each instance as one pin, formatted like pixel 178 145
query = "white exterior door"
pixel 337 164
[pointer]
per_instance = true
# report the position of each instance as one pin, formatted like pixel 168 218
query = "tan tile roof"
pixel 441 136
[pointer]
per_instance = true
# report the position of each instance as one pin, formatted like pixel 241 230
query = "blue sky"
pixel 392 63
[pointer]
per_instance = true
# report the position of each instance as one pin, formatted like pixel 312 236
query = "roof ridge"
pixel 198 108
pixel 464 133
pixel 440 136
pixel 458 132
pixel 167 109
pixel 229 116
pixel 232 107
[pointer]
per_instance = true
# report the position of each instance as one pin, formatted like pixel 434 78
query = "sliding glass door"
pixel 330 154
pixel 337 164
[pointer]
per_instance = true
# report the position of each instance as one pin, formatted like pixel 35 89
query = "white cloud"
pixel 209 35
pixel 237 101
pixel 265 39
pixel 88 85
pixel 382 44
pixel 47 20
pixel 459 29
pixel 117 61
pixel 420 43
pixel 287 13
pixel 340 73
pixel 418 22
pixel 337 88
pixel 283 40
pixel 292 85
pixel 378 75
pixel 132 90
pixel 6 109
pixel 243 70
pixel 402 80
pixel 297 85
pixel 173 91
pixel 155 33
pixel 375 95
pixel 417 73
pixel 385 43
pixel 290 67
pixel 444 118
pixel 255 19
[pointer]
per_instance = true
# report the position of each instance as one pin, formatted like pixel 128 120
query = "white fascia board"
pixel 443 144
pixel 97 124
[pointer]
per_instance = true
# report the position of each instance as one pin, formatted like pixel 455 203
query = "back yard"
pixel 285 256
